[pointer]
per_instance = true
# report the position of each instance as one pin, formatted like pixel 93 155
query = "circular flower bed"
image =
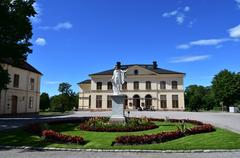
pixel 165 136
pixel 131 125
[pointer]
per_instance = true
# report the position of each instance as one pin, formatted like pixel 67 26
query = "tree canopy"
pixel 44 101
pixel 15 32
pixel 226 87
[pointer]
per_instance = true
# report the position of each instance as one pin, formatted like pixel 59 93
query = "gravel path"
pixel 230 121
pixel 20 153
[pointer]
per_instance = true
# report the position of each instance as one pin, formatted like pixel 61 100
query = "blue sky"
pixel 75 38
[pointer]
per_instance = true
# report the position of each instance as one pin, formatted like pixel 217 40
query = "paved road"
pixel 229 121
pixel 20 153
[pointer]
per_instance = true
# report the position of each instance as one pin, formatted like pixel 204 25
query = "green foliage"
pixel 65 101
pixel 195 97
pixel 226 87
pixel 44 101
pixel 220 139
pixel 15 32
pixel 131 124
pixel 64 88
pixel 5 79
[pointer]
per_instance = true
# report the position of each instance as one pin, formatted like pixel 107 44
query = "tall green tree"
pixel 44 101
pixel 15 32
pixel 65 101
pixel 64 88
pixel 226 87
pixel 194 97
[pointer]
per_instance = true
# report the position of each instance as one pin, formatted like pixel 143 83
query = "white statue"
pixel 118 80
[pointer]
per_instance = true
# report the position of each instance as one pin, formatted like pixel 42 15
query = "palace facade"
pixel 23 92
pixel 147 87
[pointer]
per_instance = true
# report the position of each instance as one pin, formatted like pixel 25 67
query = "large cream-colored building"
pixel 23 92
pixel 147 87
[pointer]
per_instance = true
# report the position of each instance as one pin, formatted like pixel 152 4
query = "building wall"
pixel 143 76
pixel 23 92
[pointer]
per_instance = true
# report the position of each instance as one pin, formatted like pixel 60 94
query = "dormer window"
pixel 135 72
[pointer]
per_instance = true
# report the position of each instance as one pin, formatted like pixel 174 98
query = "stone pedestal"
pixel 117 109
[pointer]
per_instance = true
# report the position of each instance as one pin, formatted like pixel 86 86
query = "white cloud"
pixel 59 26
pixel 186 9
pixel 183 46
pixel 52 82
pixel 235 31
pixel 169 14
pixel 185 59
pixel 180 18
pixel 238 3
pixel 64 25
pixel 38 9
pixel 41 41
pixel 205 42
pixel 209 42
pixel 178 14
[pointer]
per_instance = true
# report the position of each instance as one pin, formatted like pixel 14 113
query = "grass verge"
pixel 220 139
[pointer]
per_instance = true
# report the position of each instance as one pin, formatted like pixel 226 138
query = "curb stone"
pixel 119 150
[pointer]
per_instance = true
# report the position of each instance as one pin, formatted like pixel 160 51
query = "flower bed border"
pixel 84 126
pixel 53 136
pixel 164 136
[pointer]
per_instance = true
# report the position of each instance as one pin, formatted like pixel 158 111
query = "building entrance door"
pixel 136 101
pixel 14 104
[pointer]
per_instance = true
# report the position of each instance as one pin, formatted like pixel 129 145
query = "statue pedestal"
pixel 117 109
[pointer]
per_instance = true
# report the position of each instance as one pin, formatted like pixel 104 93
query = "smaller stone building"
pixel 23 93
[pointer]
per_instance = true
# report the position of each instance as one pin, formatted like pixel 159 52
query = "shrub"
pixel 36 128
pixel 103 125
pixel 165 136
pixel 51 135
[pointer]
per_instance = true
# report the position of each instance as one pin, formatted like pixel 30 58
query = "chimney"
pixel 155 65
pixel 118 65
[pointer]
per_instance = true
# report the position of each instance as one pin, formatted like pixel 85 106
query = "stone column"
pixel 117 109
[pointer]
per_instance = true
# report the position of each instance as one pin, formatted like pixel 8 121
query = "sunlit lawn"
pixel 220 139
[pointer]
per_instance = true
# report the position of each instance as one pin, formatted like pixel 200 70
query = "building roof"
pixel 22 65
pixel 146 66
pixel 88 81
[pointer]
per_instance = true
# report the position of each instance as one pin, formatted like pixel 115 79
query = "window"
pixel 148 85
pixel 109 101
pixel 148 101
pixel 136 85
pixel 89 101
pixel 174 84
pixel 30 103
pixel 99 85
pixel 163 101
pixel 98 101
pixel 175 101
pixel 163 85
pixel 32 84
pixel 109 85
pixel 124 86
pixel 135 72
pixel 16 81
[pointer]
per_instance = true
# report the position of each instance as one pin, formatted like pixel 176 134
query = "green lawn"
pixel 51 113
pixel 220 139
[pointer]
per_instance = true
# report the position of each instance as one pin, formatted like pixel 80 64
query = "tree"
pixel 64 88
pixel 226 87
pixel 194 97
pixel 56 103
pixel 65 101
pixel 44 101
pixel 15 32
